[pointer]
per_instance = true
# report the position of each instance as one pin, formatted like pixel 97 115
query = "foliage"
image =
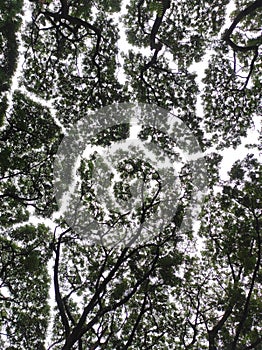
pixel 10 20
pixel 198 288
pixel 24 286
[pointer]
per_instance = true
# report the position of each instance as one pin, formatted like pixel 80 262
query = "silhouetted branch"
pixel 247 11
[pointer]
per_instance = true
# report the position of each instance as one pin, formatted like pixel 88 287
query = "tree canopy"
pixel 195 282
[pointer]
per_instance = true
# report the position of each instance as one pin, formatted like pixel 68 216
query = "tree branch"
pixel 247 11
pixel 58 296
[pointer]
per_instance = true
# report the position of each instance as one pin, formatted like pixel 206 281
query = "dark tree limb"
pixel 253 280
pixel 141 24
pixel 58 297
pixel 247 11
pixel 156 26
pixel 138 320
pixel 78 329
pixel 251 68
pixel 81 328
pixel 157 46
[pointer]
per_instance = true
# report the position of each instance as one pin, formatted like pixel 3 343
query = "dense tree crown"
pixel 193 288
